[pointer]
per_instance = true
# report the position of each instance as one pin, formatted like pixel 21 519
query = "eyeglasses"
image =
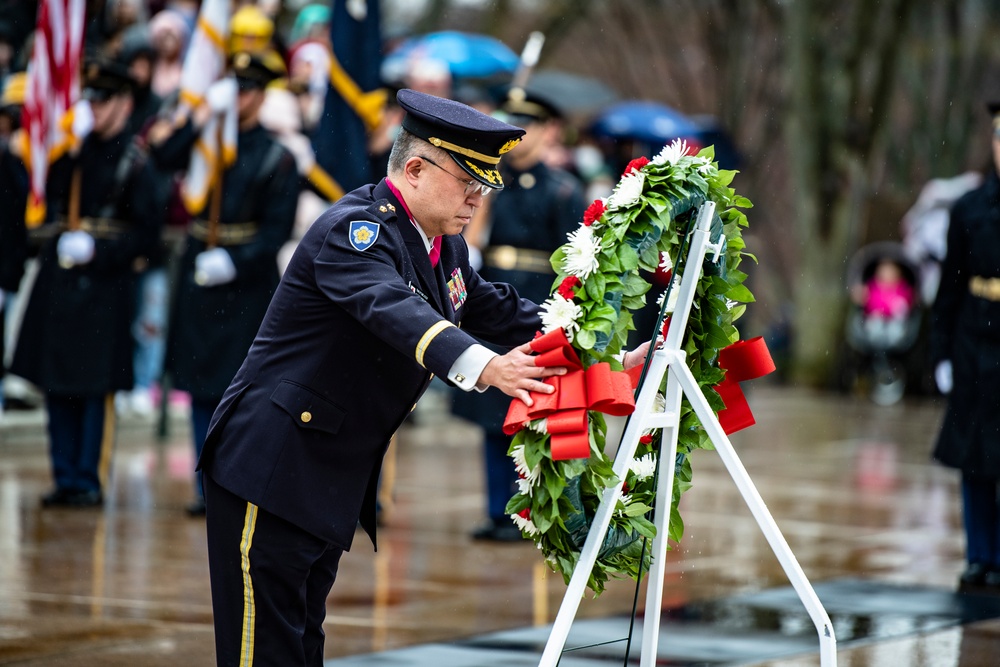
pixel 472 186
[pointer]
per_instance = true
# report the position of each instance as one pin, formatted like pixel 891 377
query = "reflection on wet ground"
pixel 849 484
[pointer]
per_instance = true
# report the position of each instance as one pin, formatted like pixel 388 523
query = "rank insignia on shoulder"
pixel 363 234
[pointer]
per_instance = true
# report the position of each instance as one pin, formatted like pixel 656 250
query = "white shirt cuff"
pixel 466 370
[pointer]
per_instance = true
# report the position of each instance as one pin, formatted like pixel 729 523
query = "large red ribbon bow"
pixel 597 388
pixel 743 360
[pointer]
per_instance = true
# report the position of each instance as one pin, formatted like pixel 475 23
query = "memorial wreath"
pixel 560 454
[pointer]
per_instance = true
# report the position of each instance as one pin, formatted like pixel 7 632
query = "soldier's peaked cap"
pixel 474 140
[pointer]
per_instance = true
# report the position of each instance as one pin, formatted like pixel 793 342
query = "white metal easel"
pixel 680 382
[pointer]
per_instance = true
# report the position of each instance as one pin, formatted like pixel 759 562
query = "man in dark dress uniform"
pixel 524 224
pixel 226 282
pixel 75 342
pixel 14 195
pixel 965 348
pixel 378 296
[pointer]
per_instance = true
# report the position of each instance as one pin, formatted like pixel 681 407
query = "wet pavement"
pixel 874 524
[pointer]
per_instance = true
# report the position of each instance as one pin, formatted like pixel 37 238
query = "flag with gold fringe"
pixel 204 64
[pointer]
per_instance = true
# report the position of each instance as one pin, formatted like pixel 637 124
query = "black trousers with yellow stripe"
pixel 270 581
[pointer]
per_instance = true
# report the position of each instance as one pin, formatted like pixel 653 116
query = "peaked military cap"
pixel 474 140
pixel 525 105
pixel 254 70
pixel 103 79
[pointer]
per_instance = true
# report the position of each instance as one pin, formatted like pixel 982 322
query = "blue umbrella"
pixel 467 55
pixel 650 122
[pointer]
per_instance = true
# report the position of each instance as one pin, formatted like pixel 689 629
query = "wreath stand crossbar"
pixel 669 360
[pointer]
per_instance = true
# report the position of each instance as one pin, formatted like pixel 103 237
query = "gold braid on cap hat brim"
pixel 461 150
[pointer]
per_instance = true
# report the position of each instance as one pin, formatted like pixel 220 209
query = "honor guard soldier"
pixel 75 343
pixel 378 296
pixel 521 226
pixel 228 270
pixel 965 348
pixel 14 195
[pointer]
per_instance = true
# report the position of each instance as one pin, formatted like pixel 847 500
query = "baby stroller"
pixel 885 318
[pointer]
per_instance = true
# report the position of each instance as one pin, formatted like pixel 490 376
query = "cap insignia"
pixel 510 144
pixel 491 175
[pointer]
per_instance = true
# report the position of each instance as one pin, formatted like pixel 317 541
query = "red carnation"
pixel 525 513
pixel 566 287
pixel 593 212
pixel 646 439
pixel 636 164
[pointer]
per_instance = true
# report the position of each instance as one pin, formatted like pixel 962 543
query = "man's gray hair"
pixel 405 146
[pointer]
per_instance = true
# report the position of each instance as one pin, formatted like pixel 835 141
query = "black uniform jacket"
pixel 346 348
pixel 965 328
pixel 211 328
pixel 76 338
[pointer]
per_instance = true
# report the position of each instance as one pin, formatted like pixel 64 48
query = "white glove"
pixel 83 120
pixel 942 375
pixel 75 248
pixel 214 267
pixel 221 95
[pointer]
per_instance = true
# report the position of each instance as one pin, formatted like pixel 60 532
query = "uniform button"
pixel 306 417
pixel 459 377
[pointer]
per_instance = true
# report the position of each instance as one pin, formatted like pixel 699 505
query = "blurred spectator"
pixel 429 75
pixel 309 77
pixel 280 114
pixel 312 24
pixel 138 55
pixel 251 30
pixel 169 33
pixel 886 300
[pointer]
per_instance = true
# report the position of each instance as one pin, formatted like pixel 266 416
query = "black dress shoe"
pixel 992 580
pixel 197 508
pixel 56 498
pixel 975 575
pixel 85 499
pixel 498 531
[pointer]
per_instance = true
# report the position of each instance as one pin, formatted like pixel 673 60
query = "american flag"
pixel 53 87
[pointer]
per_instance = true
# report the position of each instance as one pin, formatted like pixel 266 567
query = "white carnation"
pixel 644 467
pixel 531 475
pixel 665 262
pixel 581 253
pixel 526 525
pixel 628 190
pixel 675 290
pixel 672 152
pixel 560 313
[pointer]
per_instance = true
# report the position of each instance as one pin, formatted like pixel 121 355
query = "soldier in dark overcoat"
pixel 74 341
pixel 14 195
pixel 965 346
pixel 378 296
pixel 225 284
pixel 524 224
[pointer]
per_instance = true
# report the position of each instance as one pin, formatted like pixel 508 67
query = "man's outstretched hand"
pixel 516 374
